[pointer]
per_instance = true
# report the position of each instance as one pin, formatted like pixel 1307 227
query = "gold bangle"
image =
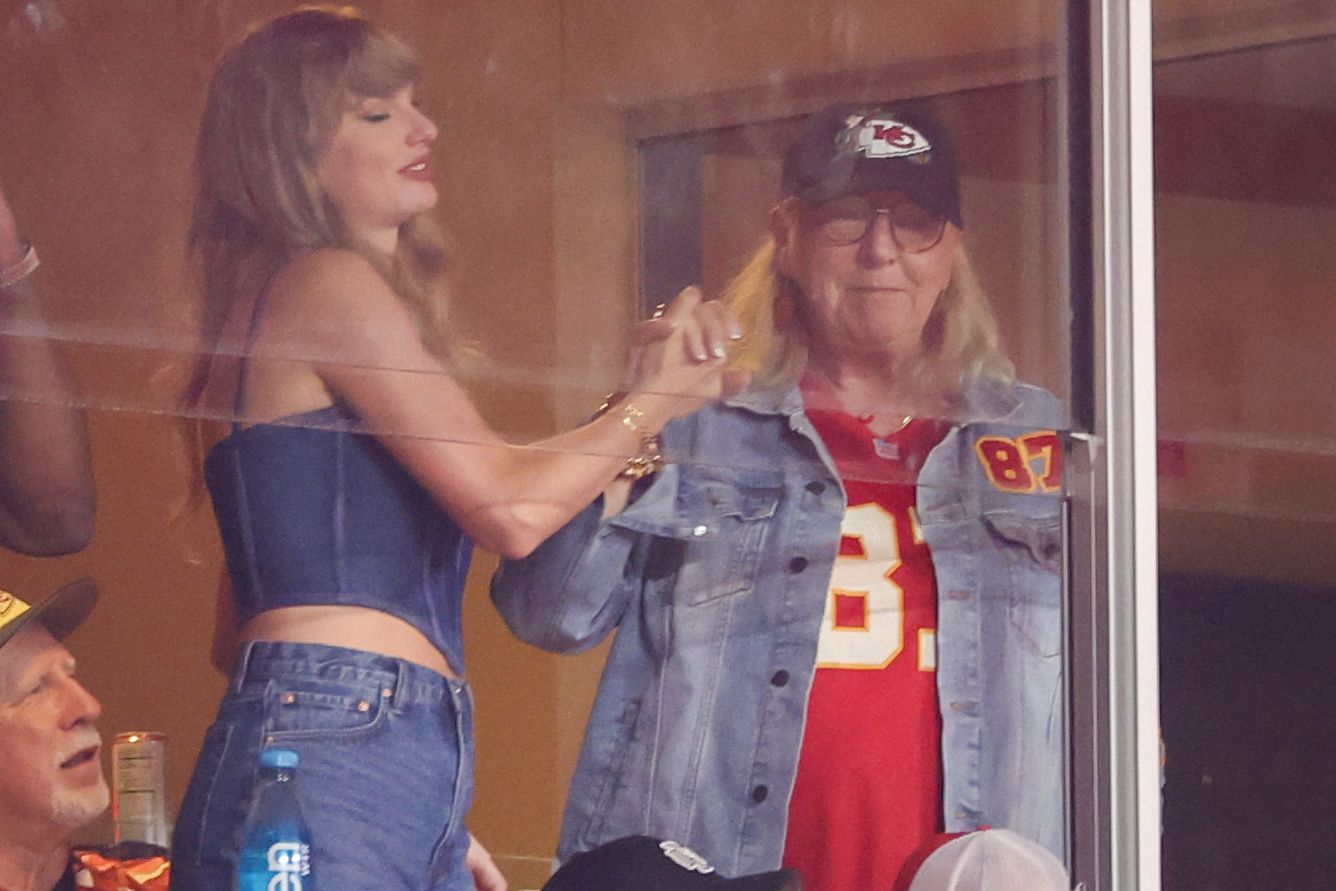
pixel 609 401
pixel 650 458
pixel 641 466
pixel 632 417
pixel 26 266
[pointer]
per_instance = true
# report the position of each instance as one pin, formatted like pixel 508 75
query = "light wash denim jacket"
pixel 716 579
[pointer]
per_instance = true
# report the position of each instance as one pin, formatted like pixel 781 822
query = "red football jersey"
pixel 868 790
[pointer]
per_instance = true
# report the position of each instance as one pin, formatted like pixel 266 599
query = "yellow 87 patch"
pixel 1029 463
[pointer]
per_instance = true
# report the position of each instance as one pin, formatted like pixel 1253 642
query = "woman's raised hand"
pixel 679 357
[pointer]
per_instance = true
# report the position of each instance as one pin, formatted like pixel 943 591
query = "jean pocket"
pixel 311 709
pixel 1032 548
pixel 723 534
pixel 1039 538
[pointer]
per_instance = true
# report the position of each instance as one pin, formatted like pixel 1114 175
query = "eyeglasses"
pixel 847 220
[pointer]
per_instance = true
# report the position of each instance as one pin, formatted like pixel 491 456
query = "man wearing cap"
pixel 838 606
pixel 991 860
pixel 50 751
pixel 47 499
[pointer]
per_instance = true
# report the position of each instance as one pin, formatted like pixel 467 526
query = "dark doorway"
pixel 1248 709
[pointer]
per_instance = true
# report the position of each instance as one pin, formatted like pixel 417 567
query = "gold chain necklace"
pixel 869 418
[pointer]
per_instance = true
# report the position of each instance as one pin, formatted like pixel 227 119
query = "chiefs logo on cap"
pixel 885 137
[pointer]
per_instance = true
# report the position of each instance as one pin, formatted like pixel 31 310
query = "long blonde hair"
pixel 273 107
pixel 960 339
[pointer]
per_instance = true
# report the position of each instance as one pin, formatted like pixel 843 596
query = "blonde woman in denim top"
pixel 357 472
pixel 838 607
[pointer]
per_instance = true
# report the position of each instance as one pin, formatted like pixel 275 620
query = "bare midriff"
pixel 355 627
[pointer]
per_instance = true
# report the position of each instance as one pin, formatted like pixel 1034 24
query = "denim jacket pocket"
pixel 308 709
pixel 1033 550
pixel 724 521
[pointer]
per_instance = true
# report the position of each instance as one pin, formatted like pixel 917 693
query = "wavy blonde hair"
pixel 960 339
pixel 273 107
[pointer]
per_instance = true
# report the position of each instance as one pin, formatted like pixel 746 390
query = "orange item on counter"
pixel 103 873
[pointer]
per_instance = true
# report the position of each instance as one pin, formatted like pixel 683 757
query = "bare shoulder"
pixel 324 280
pixel 334 304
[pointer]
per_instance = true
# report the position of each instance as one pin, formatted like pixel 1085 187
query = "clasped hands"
pixel 683 352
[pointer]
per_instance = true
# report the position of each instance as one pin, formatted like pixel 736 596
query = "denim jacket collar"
pixel 984 399
pixel 783 398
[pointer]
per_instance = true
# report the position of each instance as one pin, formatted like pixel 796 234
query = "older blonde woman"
pixel 357 473
pixel 837 608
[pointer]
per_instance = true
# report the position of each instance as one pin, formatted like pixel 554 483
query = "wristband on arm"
pixel 11 276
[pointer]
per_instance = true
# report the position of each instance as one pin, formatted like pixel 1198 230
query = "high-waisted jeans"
pixel 385 773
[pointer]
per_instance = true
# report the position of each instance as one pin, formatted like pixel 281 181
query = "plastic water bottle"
pixel 276 843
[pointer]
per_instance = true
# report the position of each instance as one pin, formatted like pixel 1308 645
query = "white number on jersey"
pixel 863 595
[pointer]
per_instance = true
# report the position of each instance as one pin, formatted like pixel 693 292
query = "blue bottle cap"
pixel 278 758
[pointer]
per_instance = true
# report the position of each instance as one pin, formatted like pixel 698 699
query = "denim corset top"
pixel 313 513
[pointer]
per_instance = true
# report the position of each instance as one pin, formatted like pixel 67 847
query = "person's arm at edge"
pixel 47 497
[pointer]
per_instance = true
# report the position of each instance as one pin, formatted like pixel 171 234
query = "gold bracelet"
pixel 650 458
pixel 26 266
pixel 609 401
pixel 632 417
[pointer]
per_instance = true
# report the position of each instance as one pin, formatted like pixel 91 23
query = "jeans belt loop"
pixel 402 680
pixel 461 696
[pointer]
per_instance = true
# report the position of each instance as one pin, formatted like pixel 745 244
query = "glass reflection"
pixel 558 164
pixel 1245 212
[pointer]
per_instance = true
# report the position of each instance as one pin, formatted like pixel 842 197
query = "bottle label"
pixel 289 862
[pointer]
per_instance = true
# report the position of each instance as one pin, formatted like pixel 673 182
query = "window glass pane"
pixel 876 519
pixel 1244 211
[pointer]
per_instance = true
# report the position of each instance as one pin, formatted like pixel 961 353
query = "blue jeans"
pixel 385 776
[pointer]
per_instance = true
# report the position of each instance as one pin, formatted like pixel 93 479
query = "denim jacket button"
pixel 698 531
pixel 760 793
pixel 816 487
pixel 779 678
pixel 797 564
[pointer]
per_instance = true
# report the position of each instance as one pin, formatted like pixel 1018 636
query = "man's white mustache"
pixel 86 738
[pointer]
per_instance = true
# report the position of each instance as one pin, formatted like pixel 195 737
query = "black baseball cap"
pixel 641 863
pixel 849 148
pixel 61 613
